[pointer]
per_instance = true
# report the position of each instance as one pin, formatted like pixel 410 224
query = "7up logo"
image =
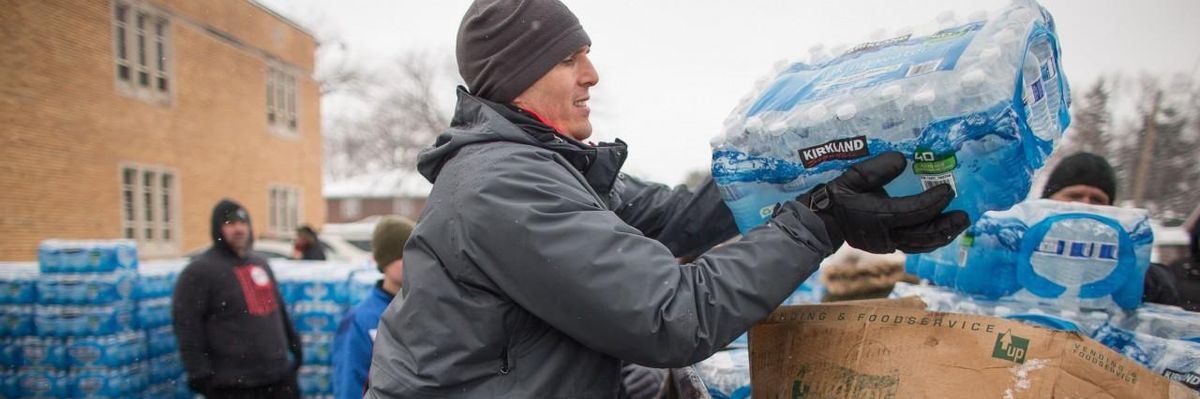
pixel 1010 347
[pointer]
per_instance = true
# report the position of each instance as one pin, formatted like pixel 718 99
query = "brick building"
pixel 132 118
pixel 396 192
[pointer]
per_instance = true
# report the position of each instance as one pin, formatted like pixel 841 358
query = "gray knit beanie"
pixel 505 46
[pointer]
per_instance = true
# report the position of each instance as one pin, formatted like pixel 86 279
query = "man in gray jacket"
pixel 537 268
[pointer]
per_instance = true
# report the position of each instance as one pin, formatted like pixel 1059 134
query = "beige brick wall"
pixel 65 128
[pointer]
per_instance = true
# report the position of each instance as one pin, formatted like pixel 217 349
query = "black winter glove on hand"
pixel 855 208
pixel 641 382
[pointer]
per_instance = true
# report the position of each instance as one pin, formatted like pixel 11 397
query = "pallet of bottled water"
pixel 318 295
pixel 88 320
pixel 977 103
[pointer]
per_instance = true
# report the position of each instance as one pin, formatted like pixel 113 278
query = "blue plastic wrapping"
pixel 978 106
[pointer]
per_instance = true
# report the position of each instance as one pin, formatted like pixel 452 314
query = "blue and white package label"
pixel 85 289
pixel 316 317
pixel 106 351
pixel 1056 252
pixel 18 287
pixel 75 321
pixel 66 256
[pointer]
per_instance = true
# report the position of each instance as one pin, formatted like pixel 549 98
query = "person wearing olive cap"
pixel 537 269
pixel 356 332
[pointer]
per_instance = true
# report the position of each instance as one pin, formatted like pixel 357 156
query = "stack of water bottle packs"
pixel 75 325
pixel 318 295
pixel 1165 339
pixel 977 103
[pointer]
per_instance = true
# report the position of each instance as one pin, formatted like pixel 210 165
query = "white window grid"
pixel 141 50
pixel 149 204
pixel 284 208
pixel 281 100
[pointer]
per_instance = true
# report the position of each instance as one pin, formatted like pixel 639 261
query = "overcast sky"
pixel 671 70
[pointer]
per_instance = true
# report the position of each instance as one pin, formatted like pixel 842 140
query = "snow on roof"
pixel 386 184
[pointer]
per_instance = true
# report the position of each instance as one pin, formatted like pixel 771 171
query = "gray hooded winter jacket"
pixel 527 278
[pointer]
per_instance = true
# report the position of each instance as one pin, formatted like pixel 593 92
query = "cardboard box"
pixel 896 349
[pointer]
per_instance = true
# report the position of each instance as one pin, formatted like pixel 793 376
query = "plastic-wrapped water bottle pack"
pixel 153 313
pixel 98 256
pixel 318 348
pixel 1066 253
pixel 18 283
pixel 161 341
pixel 726 374
pixel 316 381
pixel 1164 321
pixel 977 104
pixel 944 300
pixel 1176 359
pixel 85 289
pixel 308 281
pixel 106 351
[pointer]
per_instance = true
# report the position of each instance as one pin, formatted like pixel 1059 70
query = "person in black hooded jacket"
pixel 234 334
pixel 1187 270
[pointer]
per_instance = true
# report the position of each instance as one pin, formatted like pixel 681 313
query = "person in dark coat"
pixel 235 337
pixel 537 269
pixel 1088 178
pixel 308 246
pixel 1187 270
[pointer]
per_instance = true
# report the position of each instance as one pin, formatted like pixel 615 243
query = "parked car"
pixel 336 249
pixel 356 233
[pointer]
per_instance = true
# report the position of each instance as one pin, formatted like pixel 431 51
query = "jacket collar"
pixel 477 120
pixel 600 163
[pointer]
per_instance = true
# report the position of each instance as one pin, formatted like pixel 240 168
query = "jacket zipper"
pixel 504 361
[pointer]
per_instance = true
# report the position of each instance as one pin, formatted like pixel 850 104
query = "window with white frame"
pixel 350 207
pixel 148 210
pixel 141 48
pixel 402 206
pixel 281 99
pixel 283 210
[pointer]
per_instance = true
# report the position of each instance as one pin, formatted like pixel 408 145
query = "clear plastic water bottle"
pixel 818 121
pixel 1034 96
pixel 848 121
pixel 920 109
pixel 1048 74
pixel 971 87
pixel 891 117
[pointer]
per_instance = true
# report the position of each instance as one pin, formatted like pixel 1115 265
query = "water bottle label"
pixel 926 162
pixel 867 65
pixel 923 68
pixel 1038 91
pixel 1088 250
pixel 841 149
pixel 1190 379
pixel 931 181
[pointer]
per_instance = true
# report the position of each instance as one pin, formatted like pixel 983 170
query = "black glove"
pixel 855 208
pixel 642 382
